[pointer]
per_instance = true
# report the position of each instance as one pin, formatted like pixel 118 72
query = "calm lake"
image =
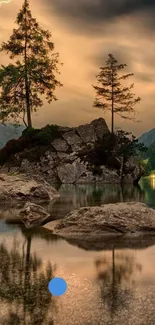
pixel 107 287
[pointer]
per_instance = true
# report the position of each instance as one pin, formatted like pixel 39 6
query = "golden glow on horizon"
pixel 152 177
pixel 4 1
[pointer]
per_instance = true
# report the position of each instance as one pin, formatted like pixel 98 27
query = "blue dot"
pixel 57 286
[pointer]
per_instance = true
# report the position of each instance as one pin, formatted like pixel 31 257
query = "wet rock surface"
pixel 20 188
pixel 33 215
pixel 120 219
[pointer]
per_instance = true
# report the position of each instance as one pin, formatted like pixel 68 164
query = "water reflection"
pixel 75 196
pixel 148 186
pixel 105 287
pixel 116 280
pixel 24 280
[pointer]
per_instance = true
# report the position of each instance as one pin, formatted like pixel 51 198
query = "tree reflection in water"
pixel 24 286
pixel 116 280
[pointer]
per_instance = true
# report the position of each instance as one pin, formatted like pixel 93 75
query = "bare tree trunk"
pixel 112 116
pixel 112 105
pixel 27 91
pixel 122 169
pixel 27 276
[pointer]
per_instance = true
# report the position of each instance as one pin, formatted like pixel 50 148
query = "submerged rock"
pixel 118 219
pixel 20 188
pixel 33 215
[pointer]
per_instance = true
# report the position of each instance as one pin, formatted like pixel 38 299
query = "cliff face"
pixel 61 161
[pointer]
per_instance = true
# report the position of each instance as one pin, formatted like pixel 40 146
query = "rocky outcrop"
pixel 62 161
pixel 71 172
pixel 120 219
pixel 19 188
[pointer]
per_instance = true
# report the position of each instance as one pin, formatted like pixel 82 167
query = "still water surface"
pixel 109 287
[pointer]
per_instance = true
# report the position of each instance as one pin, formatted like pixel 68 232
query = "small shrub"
pixel 48 134
pixel 30 132
pixel 42 136
pixel 33 143
pixel 97 171
pixel 11 148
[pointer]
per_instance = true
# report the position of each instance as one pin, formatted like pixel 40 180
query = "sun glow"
pixel 4 1
pixel 152 178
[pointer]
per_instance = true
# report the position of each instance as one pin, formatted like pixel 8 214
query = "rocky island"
pixel 63 158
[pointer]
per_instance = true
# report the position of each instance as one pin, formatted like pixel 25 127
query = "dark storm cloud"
pixel 123 54
pixel 87 12
pixel 120 52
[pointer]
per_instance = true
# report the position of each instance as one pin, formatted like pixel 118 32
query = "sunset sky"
pixel 84 33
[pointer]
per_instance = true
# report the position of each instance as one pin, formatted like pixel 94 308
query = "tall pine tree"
pixel 111 95
pixel 23 82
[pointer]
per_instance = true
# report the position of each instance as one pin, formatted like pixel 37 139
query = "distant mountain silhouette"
pixel 148 138
pixel 8 132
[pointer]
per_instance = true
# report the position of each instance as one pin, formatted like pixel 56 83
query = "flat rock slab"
pixel 20 188
pixel 120 219
pixel 51 225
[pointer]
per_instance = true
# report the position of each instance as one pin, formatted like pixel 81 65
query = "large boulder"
pixel 69 173
pixel 101 243
pixel 73 140
pixel 100 127
pixel 60 145
pixel 87 133
pixel 20 188
pixel 109 219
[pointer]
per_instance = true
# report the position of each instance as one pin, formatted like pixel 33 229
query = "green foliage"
pixel 110 94
pixel 11 148
pixel 48 134
pixel 34 73
pixel 111 148
pixel 30 132
pixel 151 155
pixel 147 166
pixel 127 145
pixel 32 144
pixel 149 160
pixel 42 136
